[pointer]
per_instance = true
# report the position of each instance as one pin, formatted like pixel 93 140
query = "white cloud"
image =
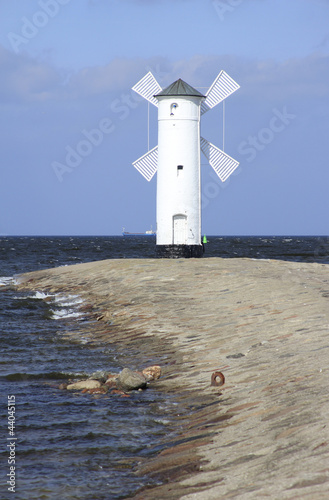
pixel 295 78
pixel 25 79
pixel 29 80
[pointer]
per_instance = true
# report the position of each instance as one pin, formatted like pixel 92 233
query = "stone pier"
pixel 264 324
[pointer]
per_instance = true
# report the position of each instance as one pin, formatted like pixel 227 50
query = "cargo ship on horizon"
pixel 150 232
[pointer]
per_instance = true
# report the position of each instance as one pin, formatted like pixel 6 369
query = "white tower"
pixel 177 160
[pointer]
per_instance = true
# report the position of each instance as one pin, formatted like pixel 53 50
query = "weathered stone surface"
pixel 84 384
pixel 152 372
pixel 96 390
pixel 111 379
pixel 128 380
pixel 100 375
pixel 265 325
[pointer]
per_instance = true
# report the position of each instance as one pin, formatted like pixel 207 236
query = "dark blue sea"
pixel 74 446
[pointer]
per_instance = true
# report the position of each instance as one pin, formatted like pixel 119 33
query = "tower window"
pixel 173 107
pixel 180 167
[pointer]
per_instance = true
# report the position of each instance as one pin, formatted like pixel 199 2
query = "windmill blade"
pixel 147 87
pixel 222 87
pixel 147 164
pixel 222 163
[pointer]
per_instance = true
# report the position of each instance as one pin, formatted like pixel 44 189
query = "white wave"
pixel 63 306
pixel 41 296
pixel 65 313
pixel 84 340
pixel 7 280
pixel 38 296
pixel 66 306
pixel 68 300
pixel 162 421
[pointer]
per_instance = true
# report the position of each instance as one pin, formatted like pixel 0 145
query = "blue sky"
pixel 67 68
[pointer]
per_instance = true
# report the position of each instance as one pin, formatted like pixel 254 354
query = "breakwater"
pixel 264 324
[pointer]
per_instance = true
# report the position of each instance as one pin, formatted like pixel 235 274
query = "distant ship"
pixel 147 233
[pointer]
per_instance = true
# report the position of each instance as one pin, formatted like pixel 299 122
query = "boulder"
pixel 111 380
pixel 152 372
pixel 128 380
pixel 99 375
pixel 98 390
pixel 84 384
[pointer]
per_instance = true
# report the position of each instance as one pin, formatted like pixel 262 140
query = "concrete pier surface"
pixel 264 324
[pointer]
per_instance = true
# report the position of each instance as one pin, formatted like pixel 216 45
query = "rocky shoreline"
pixel 264 324
pixel 127 380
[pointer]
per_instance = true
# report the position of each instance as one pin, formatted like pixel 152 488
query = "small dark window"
pixel 179 167
pixel 173 107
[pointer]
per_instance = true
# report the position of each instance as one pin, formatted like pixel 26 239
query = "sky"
pixel 71 126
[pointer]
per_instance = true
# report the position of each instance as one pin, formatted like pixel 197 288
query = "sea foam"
pixel 7 280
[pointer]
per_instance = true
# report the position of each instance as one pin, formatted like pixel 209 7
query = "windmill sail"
pixel 147 87
pixel 222 163
pixel 222 87
pixel 147 164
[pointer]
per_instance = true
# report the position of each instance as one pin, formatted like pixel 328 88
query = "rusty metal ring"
pixel 214 377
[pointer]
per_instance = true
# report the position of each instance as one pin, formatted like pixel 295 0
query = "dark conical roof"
pixel 179 88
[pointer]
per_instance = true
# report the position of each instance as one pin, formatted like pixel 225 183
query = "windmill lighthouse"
pixel 176 160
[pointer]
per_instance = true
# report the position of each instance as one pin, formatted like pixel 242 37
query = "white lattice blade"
pixel 147 164
pixel 222 87
pixel 222 163
pixel 147 87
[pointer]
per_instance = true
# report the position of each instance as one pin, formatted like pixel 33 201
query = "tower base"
pixel 178 251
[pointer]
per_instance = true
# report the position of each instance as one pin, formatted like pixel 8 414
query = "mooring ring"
pixel 214 378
